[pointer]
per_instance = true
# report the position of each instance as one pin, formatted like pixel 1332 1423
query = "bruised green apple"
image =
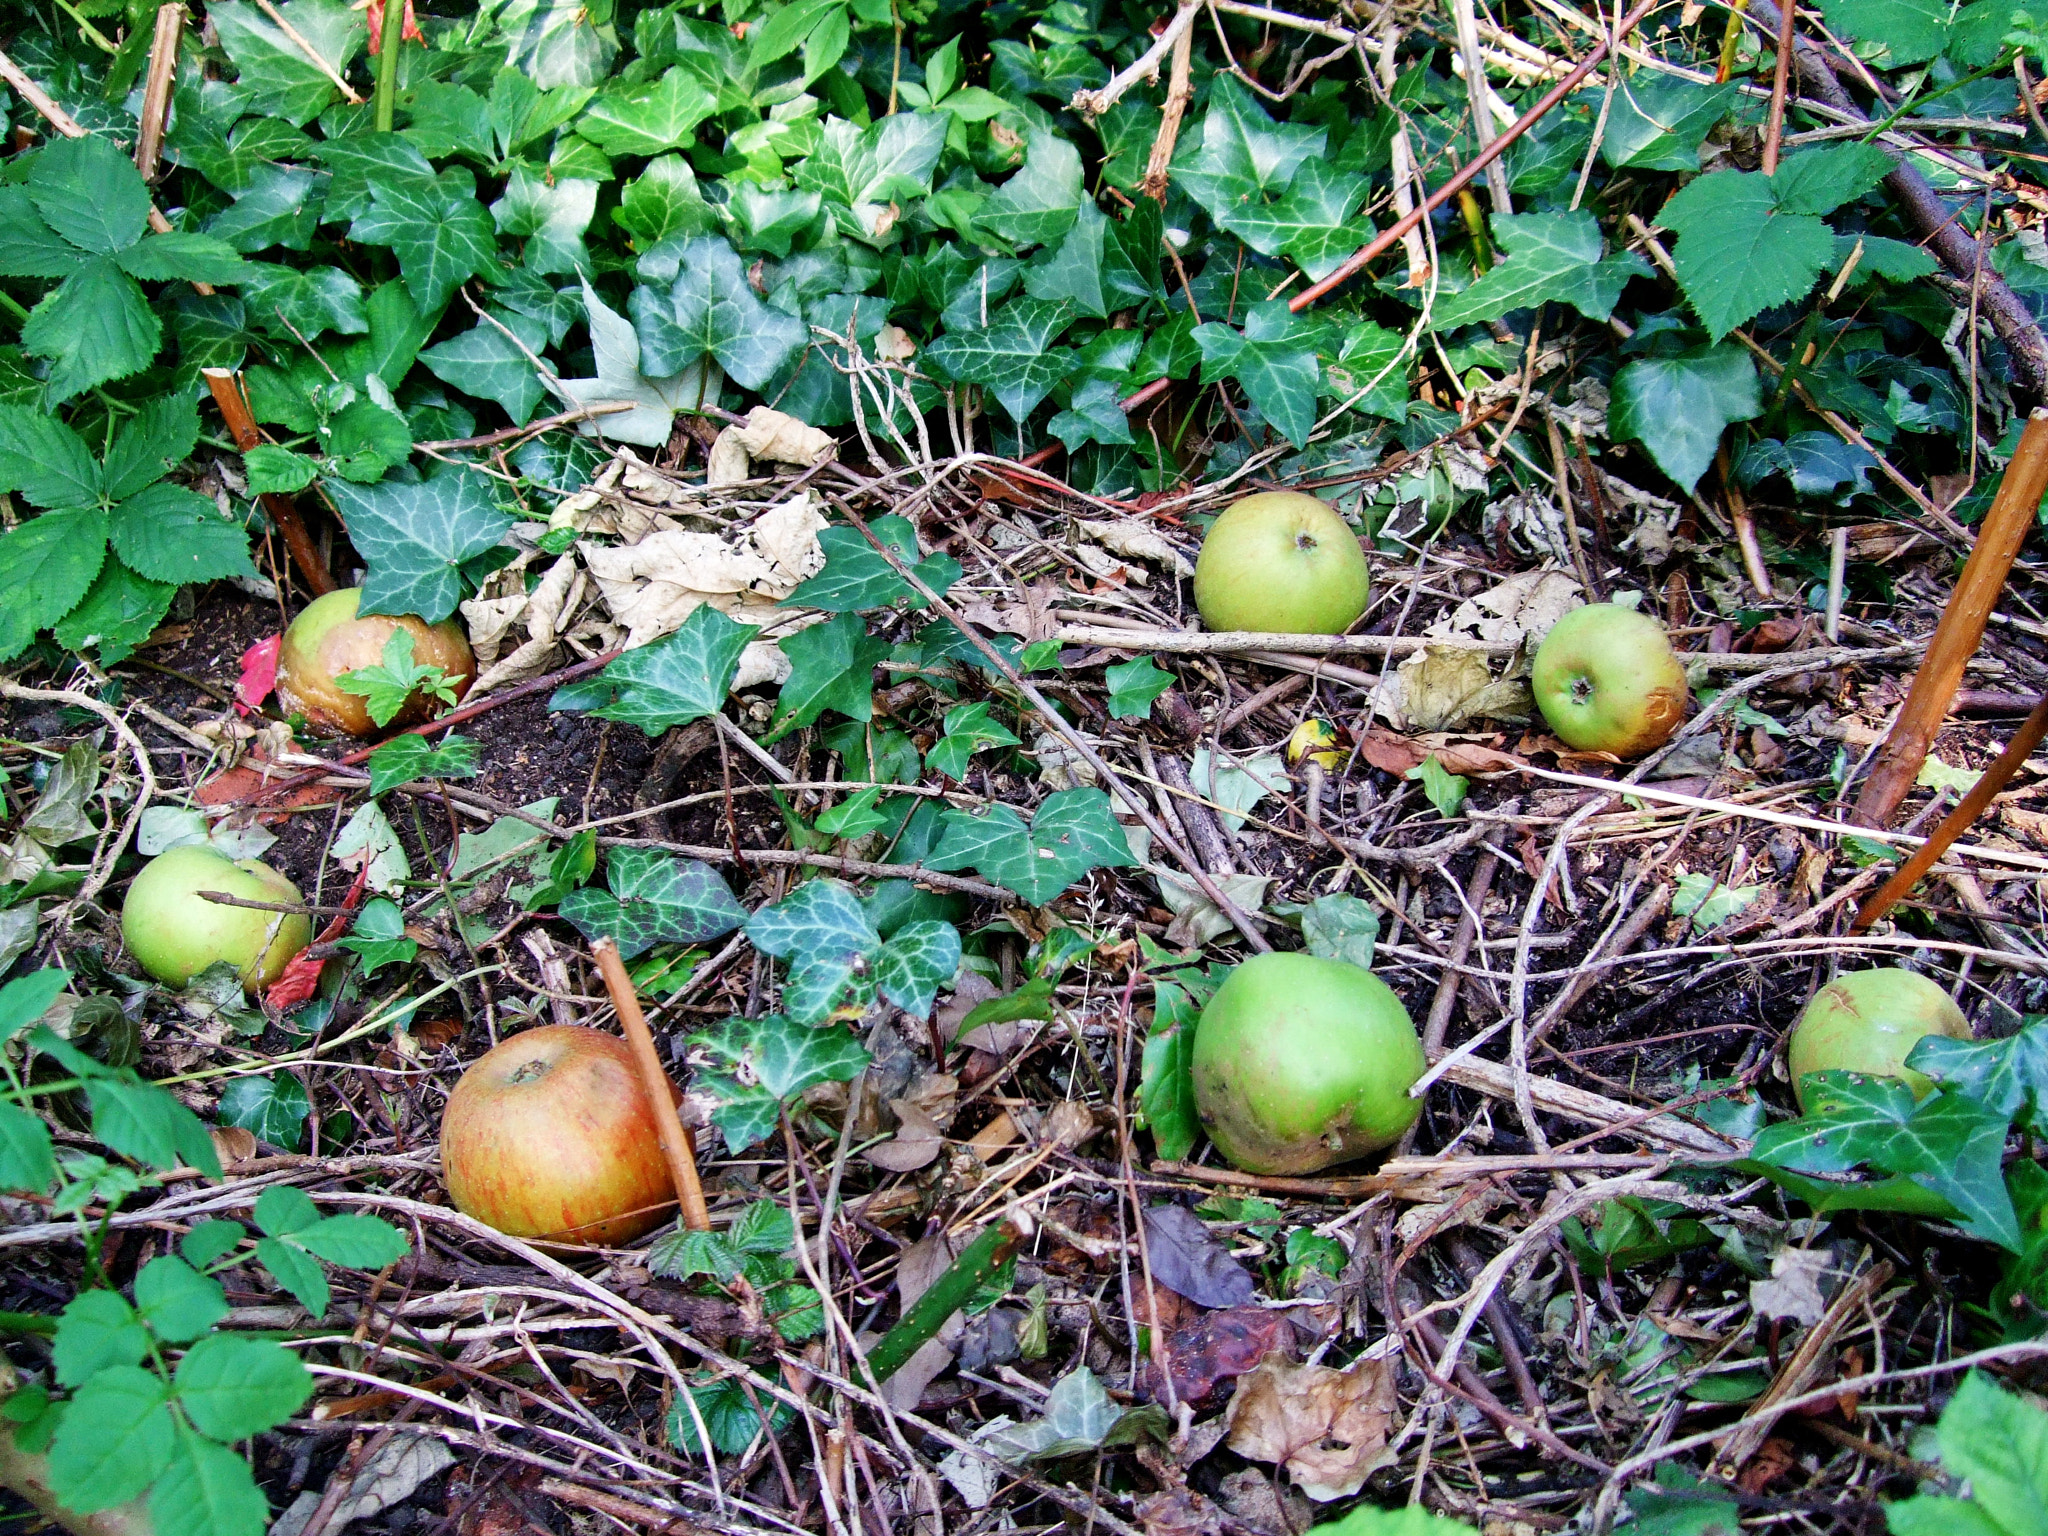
pixel 1283 563
pixel 1607 680
pixel 1868 1021
pixel 330 638
pixel 174 933
pixel 1301 1062
pixel 550 1134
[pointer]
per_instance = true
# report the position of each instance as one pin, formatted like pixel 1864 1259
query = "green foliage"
pixel 969 728
pixel 1166 1085
pixel 1134 686
pixel 653 898
pixel 1444 789
pixel 1678 407
pixel 409 758
pixel 679 678
pixel 395 682
pixel 756 1248
pixel 838 961
pixel 1997 1442
pixel 1071 833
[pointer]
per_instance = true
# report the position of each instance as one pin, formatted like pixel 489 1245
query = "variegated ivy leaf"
pixel 695 303
pixel 416 537
pixel 768 1062
pixel 824 934
pixel 654 898
pixel 1072 833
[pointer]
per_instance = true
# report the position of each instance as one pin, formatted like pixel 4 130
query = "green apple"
pixel 1869 1021
pixel 1301 1062
pixel 174 933
pixel 1607 680
pixel 1282 563
pixel 329 638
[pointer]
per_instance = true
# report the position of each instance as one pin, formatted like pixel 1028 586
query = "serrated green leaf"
pixel 1549 256
pixel 96 1330
pixel 297 1272
pixel 45 460
pixel 824 934
pixel 27 1159
pixel 912 967
pixel 90 193
pixel 856 577
pixel 116 1436
pixel 415 538
pixel 681 677
pixel 1678 407
pixel 178 1302
pixel 435 227
pixel 168 533
pixel 210 1241
pixel 697 304
pixel 406 759
pixel 654 898
pixel 832 666
pixel 1012 356
pixel 1913 31
pixel 119 611
pixel 150 445
pixel 93 327
pixel 207 1488
pixel 354 1242
pixel 1072 833
pixel 1815 181
pixel 142 1121
pixel 270 1107
pixel 1040 202
pixel 233 1387
pixel 28 246
pixel 1737 253
pixel 284 1209
pixel 1274 358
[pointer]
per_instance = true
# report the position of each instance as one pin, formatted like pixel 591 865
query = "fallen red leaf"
pixel 301 976
pixel 259 674
pixel 1219 1347
pixel 412 33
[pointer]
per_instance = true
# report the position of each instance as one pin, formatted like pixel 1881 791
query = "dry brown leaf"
pixel 1137 538
pixel 1519 610
pixel 1793 1288
pixel 780 437
pixel 1328 1427
pixel 1391 753
pixel 1440 687
pixel 727 463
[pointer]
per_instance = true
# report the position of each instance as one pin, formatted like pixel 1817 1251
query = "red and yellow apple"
pixel 174 933
pixel 330 638
pixel 1607 680
pixel 550 1135
pixel 1869 1021
pixel 1283 563
pixel 1301 1062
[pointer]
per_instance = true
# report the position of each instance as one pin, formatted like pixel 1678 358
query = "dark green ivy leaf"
pixel 1274 358
pixel 1013 356
pixel 1072 833
pixel 416 536
pixel 1678 407
pixel 655 898
pixel 681 677
pixel 695 303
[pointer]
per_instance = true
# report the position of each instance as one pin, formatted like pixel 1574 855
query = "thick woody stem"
pixel 1180 91
pixel 226 387
pixel 675 1141
pixel 156 91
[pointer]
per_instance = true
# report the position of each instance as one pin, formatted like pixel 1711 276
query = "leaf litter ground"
pixel 1608 1300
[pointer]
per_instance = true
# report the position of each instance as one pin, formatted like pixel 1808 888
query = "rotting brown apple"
pixel 174 933
pixel 1281 562
pixel 1300 1062
pixel 1869 1021
pixel 330 638
pixel 550 1135
pixel 1607 680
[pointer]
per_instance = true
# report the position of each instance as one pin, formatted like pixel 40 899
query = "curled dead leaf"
pixel 1328 1427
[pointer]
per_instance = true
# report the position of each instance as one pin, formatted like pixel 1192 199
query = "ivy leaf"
pixel 655 898
pixel 416 536
pixel 824 933
pixel 788 1057
pixel 275 70
pixel 2008 1077
pixel 664 200
pixel 1340 927
pixel 708 310
pixel 920 959
pixel 1549 256
pixel 1072 272
pixel 434 226
pixel 853 817
pixel 1242 153
pixel 655 401
pixel 271 1108
pixel 1134 686
pixel 968 728
pixel 1817 464
pixel 1095 414
pixel 491 365
pixel 409 758
pixel 647 119
pixel 1274 358
pixel 832 667
pixel 1072 833
pixel 1040 202
pixel 1656 122
pixel 233 1387
pixel 865 175
pixel 1013 355
pixel 681 677
pixel 168 533
pixel 856 577
pixel 395 680
pixel 1738 253
pixel 1678 407
pixel 378 936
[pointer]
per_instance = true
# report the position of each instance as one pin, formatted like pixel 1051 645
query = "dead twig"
pixel 675 1138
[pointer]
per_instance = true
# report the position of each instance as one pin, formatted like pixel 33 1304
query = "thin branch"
pixel 1145 67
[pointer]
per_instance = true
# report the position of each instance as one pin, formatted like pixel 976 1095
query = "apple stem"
pixel 675 1140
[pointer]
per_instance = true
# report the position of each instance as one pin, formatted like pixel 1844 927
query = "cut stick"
pixel 675 1141
pixel 1957 822
pixel 156 92
pixel 1961 628
pixel 226 386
